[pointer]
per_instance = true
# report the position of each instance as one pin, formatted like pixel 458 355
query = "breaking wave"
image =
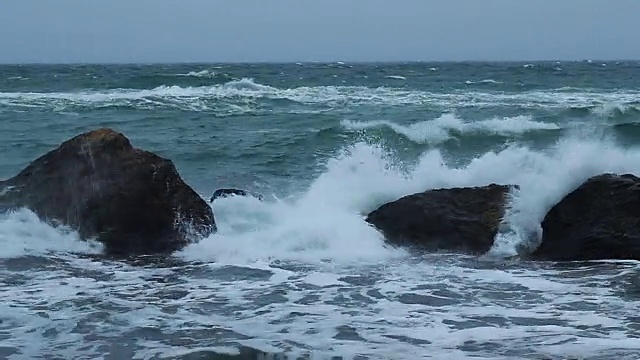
pixel 326 221
pixel 447 126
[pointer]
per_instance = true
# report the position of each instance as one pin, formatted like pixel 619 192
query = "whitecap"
pixel 395 77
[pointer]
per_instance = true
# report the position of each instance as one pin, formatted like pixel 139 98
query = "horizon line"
pixel 295 62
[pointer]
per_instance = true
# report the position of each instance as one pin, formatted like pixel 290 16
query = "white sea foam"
pixel 406 310
pixel 443 127
pixel 22 233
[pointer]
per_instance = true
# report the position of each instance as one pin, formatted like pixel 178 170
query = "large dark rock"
pixel 598 220
pixel 100 185
pixel 457 219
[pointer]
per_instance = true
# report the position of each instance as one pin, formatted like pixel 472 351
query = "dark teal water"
pixel 302 273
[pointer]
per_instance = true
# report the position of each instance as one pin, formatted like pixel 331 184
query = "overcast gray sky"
pixel 317 30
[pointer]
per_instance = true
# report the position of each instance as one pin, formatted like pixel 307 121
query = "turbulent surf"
pixel 297 271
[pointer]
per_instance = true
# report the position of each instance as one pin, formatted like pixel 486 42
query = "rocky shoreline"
pixel 135 202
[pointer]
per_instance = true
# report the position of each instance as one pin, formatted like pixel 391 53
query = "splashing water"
pixel 326 222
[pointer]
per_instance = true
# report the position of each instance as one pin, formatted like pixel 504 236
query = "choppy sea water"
pixel 301 274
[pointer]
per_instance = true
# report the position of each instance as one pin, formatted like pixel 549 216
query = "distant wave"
pixel 396 77
pixel 147 81
pixel 200 74
pixel 245 91
pixel 485 81
pixel 632 128
pixel 443 128
pixel 613 110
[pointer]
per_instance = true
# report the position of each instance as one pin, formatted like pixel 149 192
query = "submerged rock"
pixel 97 183
pixel 4 189
pixel 230 191
pixel 598 220
pixel 457 219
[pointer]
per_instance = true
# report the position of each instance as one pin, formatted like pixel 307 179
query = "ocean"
pixel 301 275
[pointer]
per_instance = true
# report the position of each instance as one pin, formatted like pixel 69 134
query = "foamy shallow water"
pixel 437 306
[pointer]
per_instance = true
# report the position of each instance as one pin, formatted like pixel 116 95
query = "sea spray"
pixel 326 221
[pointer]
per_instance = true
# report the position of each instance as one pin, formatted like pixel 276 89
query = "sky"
pixel 149 31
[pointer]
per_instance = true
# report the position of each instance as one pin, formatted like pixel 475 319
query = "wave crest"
pixel 243 91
